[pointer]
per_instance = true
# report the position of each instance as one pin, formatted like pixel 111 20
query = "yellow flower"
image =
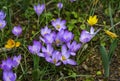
pixel 92 20
pixel 111 34
pixel 10 44
pixel 17 44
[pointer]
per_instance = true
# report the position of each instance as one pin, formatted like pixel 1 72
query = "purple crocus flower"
pixel 67 36
pixel 9 76
pixel 65 56
pixel 59 37
pixel 16 60
pixel 49 38
pixel 48 51
pixel 7 64
pixel 87 36
pixel 2 15
pixel 2 24
pixel 35 48
pixel 39 8
pixel 73 47
pixel 59 24
pixel 60 5
pixel 17 30
pixel 45 31
pixel 92 31
pixel 54 58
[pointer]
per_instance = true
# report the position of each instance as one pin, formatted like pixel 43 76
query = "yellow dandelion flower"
pixel 17 44
pixel 92 20
pixel 111 34
pixel 10 44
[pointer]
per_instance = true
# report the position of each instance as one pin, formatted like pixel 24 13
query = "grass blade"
pixel 105 60
pixel 112 49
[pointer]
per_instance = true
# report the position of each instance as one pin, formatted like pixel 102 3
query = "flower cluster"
pixel 7 66
pixel 11 44
pixel 2 21
pixel 56 46
pixel 87 36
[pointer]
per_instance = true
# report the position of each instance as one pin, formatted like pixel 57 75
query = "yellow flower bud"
pixel 111 34
pixel 17 44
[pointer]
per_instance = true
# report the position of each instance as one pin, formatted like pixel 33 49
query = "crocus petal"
pixel 2 24
pixel 43 49
pixel 7 64
pixel 58 64
pixel 9 76
pixel 85 36
pixel 67 36
pixel 71 62
pixel 48 59
pixel 92 30
pixel 35 48
pixel 16 60
pixel 49 38
pixel 97 31
pixel 42 39
pixel 60 5
pixel 65 62
pixel 39 9
pixel 72 53
pixel 2 15
pixel 17 30
pixel 45 31
pixel 64 49
pixel 41 54
pixel 59 24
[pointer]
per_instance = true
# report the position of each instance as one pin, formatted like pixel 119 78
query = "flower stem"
pixel 2 35
pixel 81 51
pixel 38 22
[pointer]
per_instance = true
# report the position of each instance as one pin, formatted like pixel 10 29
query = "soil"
pixel 93 64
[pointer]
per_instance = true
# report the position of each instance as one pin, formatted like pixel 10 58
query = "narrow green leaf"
pixel 112 49
pixel 36 74
pixel 105 60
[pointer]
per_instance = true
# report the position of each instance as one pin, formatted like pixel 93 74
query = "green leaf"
pixel 81 19
pixel 36 74
pixel 75 14
pixel 82 26
pixel 73 21
pixel 76 38
pixel 105 60
pixel 29 12
pixel 74 75
pixel 70 27
pixel 36 61
pixel 112 49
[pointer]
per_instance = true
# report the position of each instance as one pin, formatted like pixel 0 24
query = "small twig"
pixel 111 27
pixel 72 77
